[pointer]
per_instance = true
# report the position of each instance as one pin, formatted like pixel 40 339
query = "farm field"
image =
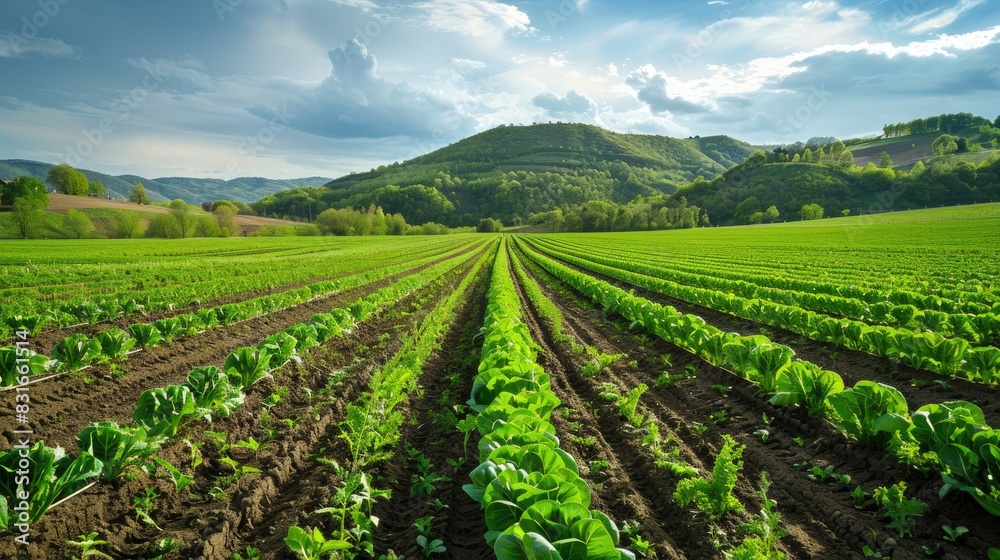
pixel 821 389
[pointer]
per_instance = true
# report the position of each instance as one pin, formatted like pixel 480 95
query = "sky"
pixel 295 88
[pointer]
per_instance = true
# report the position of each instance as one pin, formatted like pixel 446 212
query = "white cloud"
pixel 612 70
pixel 558 60
pixel 657 90
pixel 944 16
pixel 574 105
pixel 355 102
pixel 18 46
pixel 363 5
pixel 473 17
pixel 187 70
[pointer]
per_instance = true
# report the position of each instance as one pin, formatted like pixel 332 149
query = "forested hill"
pixel 511 172
pixel 192 190
pixel 775 186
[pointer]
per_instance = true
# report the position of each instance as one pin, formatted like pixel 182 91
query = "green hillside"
pixel 511 172
pixel 191 190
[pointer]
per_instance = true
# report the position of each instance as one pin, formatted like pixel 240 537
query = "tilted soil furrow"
pixel 446 382
pixel 48 338
pixel 918 386
pixel 61 407
pixel 631 489
pixel 257 509
pixel 821 517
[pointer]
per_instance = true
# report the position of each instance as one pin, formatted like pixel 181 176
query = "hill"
pixel 194 191
pixel 511 172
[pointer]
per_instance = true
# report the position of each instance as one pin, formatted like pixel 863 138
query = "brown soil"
pixel 45 340
pixel 257 509
pixel 63 203
pixel 821 518
pixel 917 386
pixel 446 382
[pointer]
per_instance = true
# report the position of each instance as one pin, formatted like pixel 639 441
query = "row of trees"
pixel 68 180
pixel 949 123
pixel 642 214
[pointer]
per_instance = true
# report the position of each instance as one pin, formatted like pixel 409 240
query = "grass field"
pixel 630 389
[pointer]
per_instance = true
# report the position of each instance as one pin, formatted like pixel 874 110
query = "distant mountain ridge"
pixel 193 190
pixel 511 172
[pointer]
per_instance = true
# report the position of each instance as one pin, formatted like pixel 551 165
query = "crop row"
pixel 107 449
pixel 161 286
pixel 951 437
pixel 925 350
pixel 976 323
pixel 371 430
pixel 535 503
pixel 797 277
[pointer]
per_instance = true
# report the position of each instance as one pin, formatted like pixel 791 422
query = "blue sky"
pixel 292 88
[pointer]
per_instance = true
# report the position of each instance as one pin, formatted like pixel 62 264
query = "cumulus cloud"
pixel 574 105
pixel 473 17
pixel 653 89
pixel 15 45
pixel 355 102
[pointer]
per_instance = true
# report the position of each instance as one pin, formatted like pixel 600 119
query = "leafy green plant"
pixel 807 385
pixel 115 446
pixel 899 509
pixel 160 411
pixel 426 484
pixel 115 343
pixel 312 545
pixel 181 480
pixel 715 496
pixel 763 530
pixel 88 545
pixel 213 392
pixel 430 546
pixel 145 335
pixel 952 534
pixel 12 372
pixel 820 474
pixel 872 413
pixel 246 366
pixel 76 351
pixel 169 328
pixel 144 506
pixel 54 476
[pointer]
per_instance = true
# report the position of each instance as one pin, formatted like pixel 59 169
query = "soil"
pixel 46 339
pixel 821 518
pixel 919 387
pixel 223 514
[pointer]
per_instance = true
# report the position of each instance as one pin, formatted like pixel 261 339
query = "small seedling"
pixel 423 525
pixel 88 547
pixel 722 389
pixel 952 534
pixel 430 546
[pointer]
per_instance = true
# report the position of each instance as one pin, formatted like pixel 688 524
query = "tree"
pixel 27 215
pixel 846 157
pixel 165 226
pixel 885 160
pixel 139 195
pixel 807 156
pixel 747 208
pixel 811 212
pixel 996 123
pixel 845 212
pixel 226 215
pixel 129 225
pixel 25 186
pixel 945 144
pixel 335 222
pixel 756 218
pixel 837 149
pixel 182 213
pixel 78 223
pixel 489 225
pixel 771 215
pixel 917 168
pixel 97 189
pixel 68 180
